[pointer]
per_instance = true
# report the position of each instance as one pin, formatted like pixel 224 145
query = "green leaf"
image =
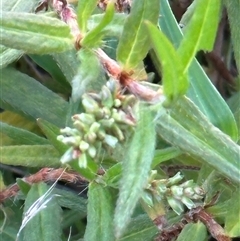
pixel 18 121
pixel 134 42
pixel 114 28
pixel 68 62
pixel 201 90
pixel 22 136
pixel 51 131
pixel 113 175
pixel 31 156
pixel 18 5
pixel 7 55
pixel 45 225
pixel 187 16
pixel 90 172
pixel 100 213
pixel 175 83
pixel 48 63
pixel 84 11
pixel 140 228
pixel 234 19
pixel 70 200
pixel 32 98
pixel 233 102
pixel 34 33
pixel 94 37
pixel 9 233
pixel 193 231
pixel 165 154
pixel 232 223
pixel 136 166
pixel 215 183
pixel 200 32
pixel 186 127
pixel 89 76
pixel 23 186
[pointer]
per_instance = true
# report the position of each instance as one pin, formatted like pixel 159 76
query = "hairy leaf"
pixel 193 231
pixel 186 127
pixel 140 228
pixel 232 224
pixel 134 43
pixel 8 233
pixel 201 91
pixel 94 36
pixel 32 156
pixel 46 224
pixel 31 97
pixel 18 5
pixel 88 76
pixel 165 154
pixel 7 55
pixel 136 166
pixel 22 136
pixel 68 62
pixel 100 213
pixel 34 33
pixel 84 11
pixel 51 132
pixel 49 64
pixel 200 32
pixel 234 19
pixel 114 28
pixel 175 83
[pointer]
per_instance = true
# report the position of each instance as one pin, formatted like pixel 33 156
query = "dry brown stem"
pixel 44 175
pixel 66 14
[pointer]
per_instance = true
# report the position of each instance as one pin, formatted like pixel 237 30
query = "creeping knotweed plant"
pixel 108 116
pixel 170 193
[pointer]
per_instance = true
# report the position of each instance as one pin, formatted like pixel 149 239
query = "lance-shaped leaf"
pixel 186 127
pixel 93 38
pixel 134 43
pixel 18 5
pixel 17 121
pixel 201 91
pixel 68 62
pixel 22 136
pixel 31 98
pixel 100 213
pixel 201 31
pixel 51 132
pixel 232 223
pixel 136 166
pixel 89 76
pixel 84 11
pixel 45 217
pixel 234 19
pixel 49 64
pixel 8 233
pixel 140 228
pixel 114 28
pixel 175 83
pixel 34 33
pixel 31 156
pixel 165 154
pixel 8 55
pixel 193 231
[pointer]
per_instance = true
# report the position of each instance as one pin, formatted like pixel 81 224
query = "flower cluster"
pixel 177 195
pixel 107 117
